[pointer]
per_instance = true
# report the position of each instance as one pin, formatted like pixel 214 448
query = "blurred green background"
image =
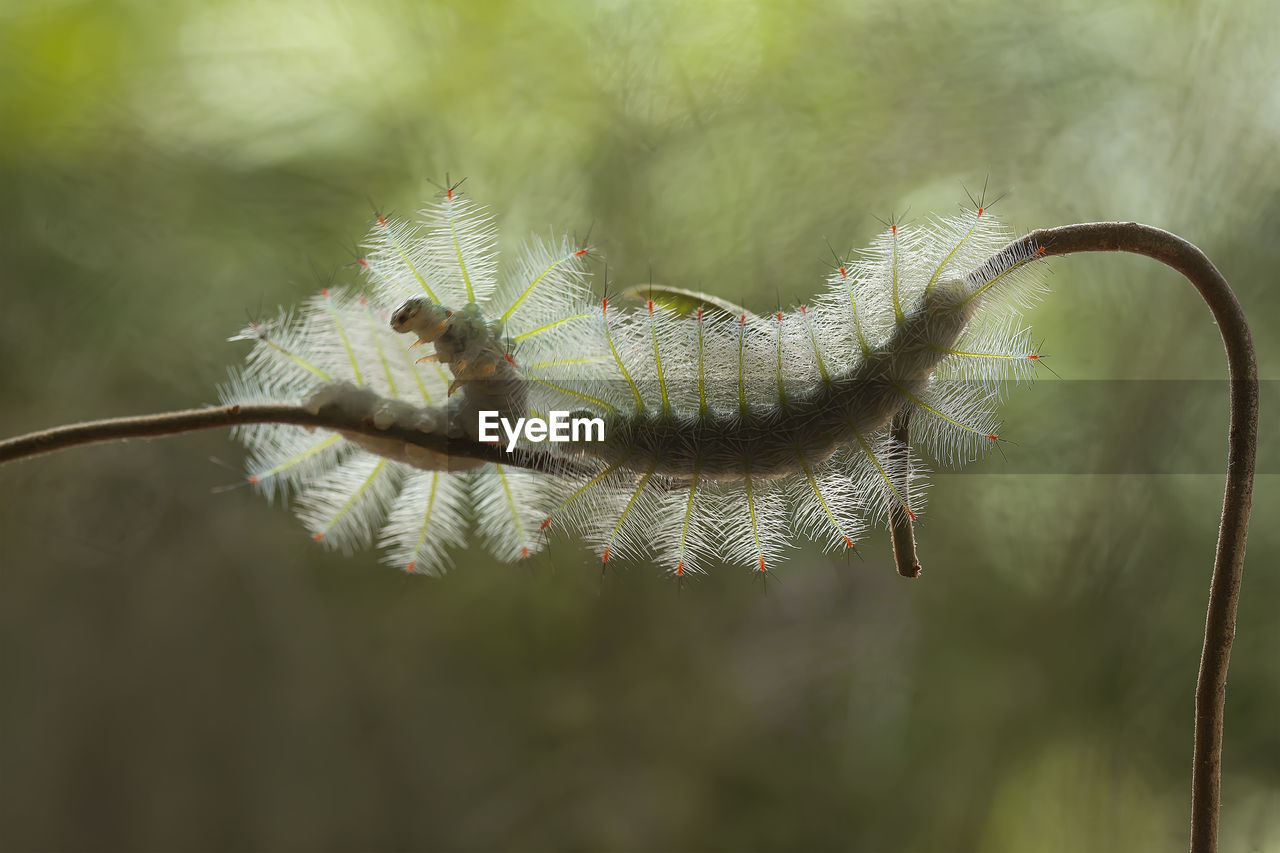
pixel 180 667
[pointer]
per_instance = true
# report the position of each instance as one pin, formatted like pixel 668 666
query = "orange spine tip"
pixel 362 262
pixel 579 253
pixel 762 566
pixel 324 292
pixel 848 543
pixel 317 536
pixel 680 569
pixel 508 357
pixel 524 552
pixel 650 307
pixel 413 564
pixel 546 522
pixel 253 478
pixel 992 437
pixel 605 558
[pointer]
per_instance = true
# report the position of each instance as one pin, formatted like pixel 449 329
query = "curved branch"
pixel 1242 446
pixel 192 420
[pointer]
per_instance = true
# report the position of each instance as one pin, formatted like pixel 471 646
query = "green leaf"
pixel 687 302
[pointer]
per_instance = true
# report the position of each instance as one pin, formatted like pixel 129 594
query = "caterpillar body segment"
pixel 727 436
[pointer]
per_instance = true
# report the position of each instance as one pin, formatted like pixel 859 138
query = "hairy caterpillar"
pixel 727 435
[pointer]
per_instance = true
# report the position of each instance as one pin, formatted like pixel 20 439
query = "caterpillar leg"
pixel 471 372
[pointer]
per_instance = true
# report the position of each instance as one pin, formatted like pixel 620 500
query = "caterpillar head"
pixel 420 315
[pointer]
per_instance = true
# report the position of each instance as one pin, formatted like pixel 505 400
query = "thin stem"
pixel 1242 446
pixel 901 532
pixel 192 420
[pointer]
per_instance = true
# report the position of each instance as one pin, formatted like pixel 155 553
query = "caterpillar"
pixel 725 436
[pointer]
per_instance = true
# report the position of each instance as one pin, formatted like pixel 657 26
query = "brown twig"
pixel 901 531
pixel 1242 446
pixel 192 420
